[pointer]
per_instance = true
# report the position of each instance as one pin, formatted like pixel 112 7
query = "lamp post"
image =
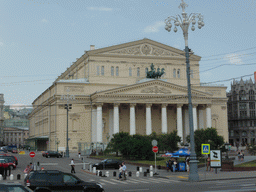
pixel 184 23
pixel 226 147
pixel 68 107
pixel 57 143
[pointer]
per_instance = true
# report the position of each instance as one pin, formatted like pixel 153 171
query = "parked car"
pixel 52 180
pixel 52 154
pixel 3 163
pixel 13 157
pixel 14 150
pixel 9 162
pixel 108 163
pixel 10 187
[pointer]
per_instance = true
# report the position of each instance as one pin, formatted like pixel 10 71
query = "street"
pixel 174 182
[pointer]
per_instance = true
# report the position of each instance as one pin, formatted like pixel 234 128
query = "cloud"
pixel 233 59
pixel 155 27
pixel 99 8
pixel 44 21
pixel 17 106
pixel 1 44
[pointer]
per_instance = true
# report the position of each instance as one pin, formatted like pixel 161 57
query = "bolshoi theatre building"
pixel 108 92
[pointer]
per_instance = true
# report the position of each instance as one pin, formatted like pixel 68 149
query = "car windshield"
pixel 104 160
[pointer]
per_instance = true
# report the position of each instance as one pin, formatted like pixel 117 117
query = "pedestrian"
pixel 72 166
pixel 187 160
pixel 31 167
pixel 124 170
pixel 79 155
pixel 120 172
pixel 242 155
pixel 174 165
pixel 239 155
pixel 27 170
pixel 29 149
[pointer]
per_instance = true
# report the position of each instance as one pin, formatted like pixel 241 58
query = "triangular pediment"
pixel 144 47
pixel 153 87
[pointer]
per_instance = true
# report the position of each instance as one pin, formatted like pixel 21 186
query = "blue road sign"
pixel 205 148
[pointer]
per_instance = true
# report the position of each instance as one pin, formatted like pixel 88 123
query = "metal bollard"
pixel 90 167
pixel 138 168
pixel 151 173
pixel 18 177
pixel 145 174
pixel 107 174
pixel 151 168
pixel 100 174
pixel 130 174
pixel 11 177
pixel 10 171
pixel 94 170
pixel 141 169
pixel 114 174
pixel 1 177
pixel 147 170
pixel 137 174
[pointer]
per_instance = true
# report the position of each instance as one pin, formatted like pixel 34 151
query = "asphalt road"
pixel 133 184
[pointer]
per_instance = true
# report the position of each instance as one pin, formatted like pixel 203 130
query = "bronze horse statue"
pixel 153 74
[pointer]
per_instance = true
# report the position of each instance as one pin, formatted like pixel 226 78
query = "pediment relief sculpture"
pixel 144 49
pixel 156 89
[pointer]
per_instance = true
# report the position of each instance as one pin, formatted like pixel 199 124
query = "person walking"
pixel 31 167
pixel 242 155
pixel 72 166
pixel 208 163
pixel 187 160
pixel 79 155
pixel 124 170
pixel 120 172
pixel 27 170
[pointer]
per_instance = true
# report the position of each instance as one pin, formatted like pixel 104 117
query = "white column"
pixel 164 118
pixel 148 119
pixel 179 121
pixel 132 119
pixel 201 118
pixel 208 116
pixel 195 117
pixel 99 123
pixel 94 125
pixel 116 118
pixel 111 123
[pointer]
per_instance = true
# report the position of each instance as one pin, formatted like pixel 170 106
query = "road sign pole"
pixel 155 163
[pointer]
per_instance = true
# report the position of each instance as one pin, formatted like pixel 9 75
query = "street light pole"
pixel 68 107
pixel 184 23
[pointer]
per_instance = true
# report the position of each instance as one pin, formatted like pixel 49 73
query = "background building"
pixel 16 126
pixel 1 117
pixel 241 112
pixel 112 94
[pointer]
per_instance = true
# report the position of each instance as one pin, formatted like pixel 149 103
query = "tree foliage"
pixel 207 136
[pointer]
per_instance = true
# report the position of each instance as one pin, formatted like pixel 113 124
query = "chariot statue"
pixel 153 74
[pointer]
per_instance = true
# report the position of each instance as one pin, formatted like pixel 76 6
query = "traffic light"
pixel 68 106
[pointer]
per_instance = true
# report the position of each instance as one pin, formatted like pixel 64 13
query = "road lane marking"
pixel 139 181
pixel 123 182
pixel 136 189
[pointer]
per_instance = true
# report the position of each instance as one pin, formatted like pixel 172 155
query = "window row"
pixel 242 124
pixel 115 72
pixel 14 134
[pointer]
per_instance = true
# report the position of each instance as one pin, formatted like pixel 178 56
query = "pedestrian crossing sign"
pixel 205 148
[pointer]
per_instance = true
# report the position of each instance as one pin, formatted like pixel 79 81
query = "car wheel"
pixel 58 156
pixel 11 167
pixel 90 190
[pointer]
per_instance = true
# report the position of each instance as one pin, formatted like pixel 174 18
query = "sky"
pixel 39 39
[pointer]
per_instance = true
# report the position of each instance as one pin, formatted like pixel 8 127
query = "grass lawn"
pixel 158 162
pixel 247 164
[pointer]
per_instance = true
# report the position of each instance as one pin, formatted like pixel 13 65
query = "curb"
pixel 221 179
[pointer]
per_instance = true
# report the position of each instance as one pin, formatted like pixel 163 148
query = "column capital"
pixel 148 105
pixel 116 104
pixel 194 105
pixel 133 104
pixel 164 105
pixel 179 105
pixel 208 105
pixel 98 104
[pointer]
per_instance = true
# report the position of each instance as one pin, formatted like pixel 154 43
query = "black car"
pixel 108 163
pixel 52 154
pixel 7 187
pixel 54 180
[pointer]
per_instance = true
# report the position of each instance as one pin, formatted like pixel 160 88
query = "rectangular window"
pixel 112 71
pixel 243 113
pixel 138 72
pixel 252 114
pixel 178 73
pixel 252 105
pixel 98 70
pixel 102 70
pixel 130 71
pixel 117 71
pixel 242 106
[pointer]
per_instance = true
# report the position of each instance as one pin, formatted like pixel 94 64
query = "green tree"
pixel 207 136
pixel 169 142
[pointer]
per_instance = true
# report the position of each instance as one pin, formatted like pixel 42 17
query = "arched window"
pixel 146 71
pixel 102 70
pixel 251 95
pixel 191 74
pixel 98 70
pixel 178 73
pixel 117 71
pixel 174 73
pixel 130 71
pixel 242 95
pixel 138 72
pixel 112 71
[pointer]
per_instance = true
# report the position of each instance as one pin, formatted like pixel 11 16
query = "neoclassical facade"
pixel 109 93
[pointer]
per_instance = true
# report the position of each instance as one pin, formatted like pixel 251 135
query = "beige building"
pixel 113 95
pixel 15 136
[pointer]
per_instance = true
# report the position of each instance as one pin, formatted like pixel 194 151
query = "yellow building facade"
pixel 109 93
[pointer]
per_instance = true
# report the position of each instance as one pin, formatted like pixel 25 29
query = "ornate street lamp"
pixel 184 23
